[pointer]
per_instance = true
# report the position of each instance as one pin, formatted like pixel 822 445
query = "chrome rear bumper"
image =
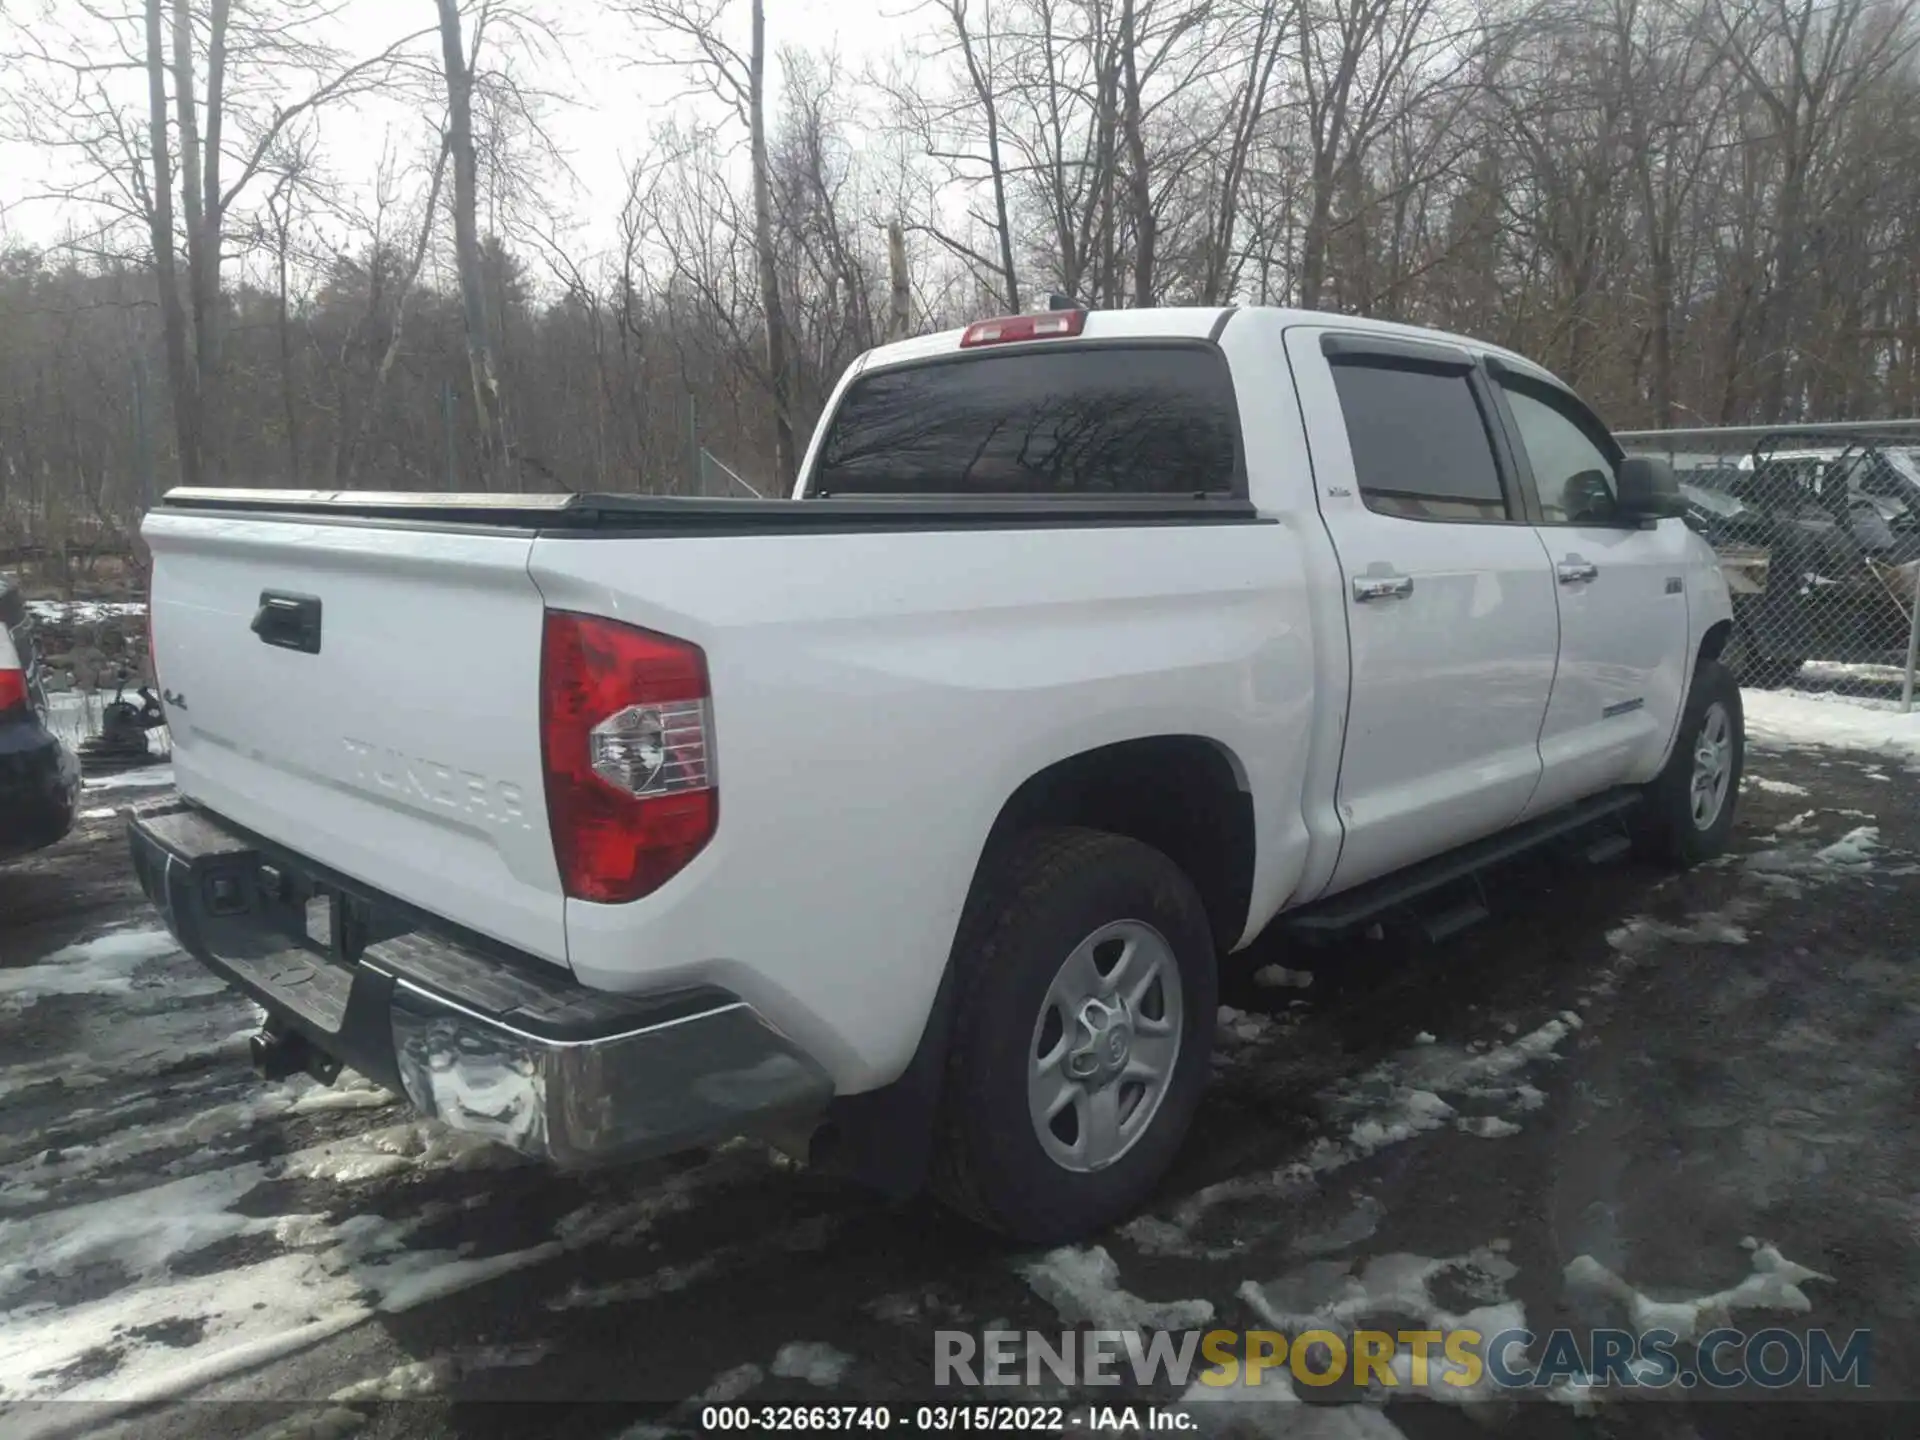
pixel 494 1043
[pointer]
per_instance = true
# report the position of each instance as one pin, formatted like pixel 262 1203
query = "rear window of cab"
pixel 1086 419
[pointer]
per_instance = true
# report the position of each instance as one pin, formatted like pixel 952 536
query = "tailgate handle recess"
pixel 291 622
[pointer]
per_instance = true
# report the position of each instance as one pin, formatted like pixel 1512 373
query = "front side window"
pixel 1082 420
pixel 1571 471
pixel 1419 442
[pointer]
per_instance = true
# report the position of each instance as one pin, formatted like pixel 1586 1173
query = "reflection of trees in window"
pixel 1071 423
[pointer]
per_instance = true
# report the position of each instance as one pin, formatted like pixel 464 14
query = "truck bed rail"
pixel 703 515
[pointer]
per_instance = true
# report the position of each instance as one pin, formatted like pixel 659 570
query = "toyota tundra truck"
pixel 909 820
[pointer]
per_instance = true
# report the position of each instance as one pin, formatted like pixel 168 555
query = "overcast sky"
pixel 601 124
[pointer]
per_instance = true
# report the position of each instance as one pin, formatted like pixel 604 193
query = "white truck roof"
pixel 1186 322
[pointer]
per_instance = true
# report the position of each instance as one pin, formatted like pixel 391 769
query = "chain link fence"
pixel 1818 534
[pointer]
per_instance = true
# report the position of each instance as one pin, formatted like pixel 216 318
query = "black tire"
pixel 1666 829
pixel 1049 891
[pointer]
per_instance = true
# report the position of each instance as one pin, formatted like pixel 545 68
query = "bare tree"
pixel 1352 56
pixel 1690 208
pixel 785 460
pixel 181 377
pixel 697 29
pixel 960 129
pixel 1807 62
pixel 900 290
pixel 457 68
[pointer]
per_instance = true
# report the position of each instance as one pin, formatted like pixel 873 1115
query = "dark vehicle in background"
pixel 1819 544
pixel 39 775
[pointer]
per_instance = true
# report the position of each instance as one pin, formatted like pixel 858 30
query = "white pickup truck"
pixel 909 818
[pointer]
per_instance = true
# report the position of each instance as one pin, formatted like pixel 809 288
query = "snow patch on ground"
pixel 351 1092
pixel 1784 718
pixel 167 1332
pixel 137 1234
pixel 403 1382
pixel 1278 977
pixel 1393 1292
pixel 811 1361
pixel 1642 933
pixel 730 1385
pixel 1083 1284
pixel 52 1171
pixel 1773 787
pixel 1852 850
pixel 392 1149
pixel 106 965
pixel 132 1041
pixel 1242 1026
pixel 150 777
pixel 1839 672
pixel 1774 1285
pixel 1405 1114
pixel 1415 1091
pixel 421 1378
pixel 1487 1127
pixel 1854 853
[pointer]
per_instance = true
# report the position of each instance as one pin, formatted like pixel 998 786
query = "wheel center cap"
pixel 1105 1041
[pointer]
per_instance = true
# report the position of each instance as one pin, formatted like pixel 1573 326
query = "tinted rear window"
pixel 1420 447
pixel 1087 420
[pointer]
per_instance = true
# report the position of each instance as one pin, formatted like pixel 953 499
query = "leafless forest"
pixel 1697 211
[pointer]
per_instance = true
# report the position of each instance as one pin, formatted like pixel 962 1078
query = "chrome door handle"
pixel 1572 572
pixel 1382 587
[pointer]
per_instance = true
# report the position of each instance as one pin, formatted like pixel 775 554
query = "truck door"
pixel 1621 592
pixel 1449 596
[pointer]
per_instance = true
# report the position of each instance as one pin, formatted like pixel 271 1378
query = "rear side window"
pixel 1082 420
pixel 1420 445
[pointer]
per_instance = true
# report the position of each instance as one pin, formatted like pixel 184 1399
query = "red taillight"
pixel 627 735
pixel 153 653
pixel 1053 325
pixel 13 676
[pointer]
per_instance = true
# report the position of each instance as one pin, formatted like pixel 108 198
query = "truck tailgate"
pixel 369 698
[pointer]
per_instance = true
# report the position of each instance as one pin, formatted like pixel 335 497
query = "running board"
pixel 1351 908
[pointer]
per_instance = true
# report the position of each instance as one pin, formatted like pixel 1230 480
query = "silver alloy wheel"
pixel 1712 766
pixel 1104 1045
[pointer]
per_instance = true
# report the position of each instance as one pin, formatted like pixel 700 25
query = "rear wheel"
pixel 1689 807
pixel 1082 1037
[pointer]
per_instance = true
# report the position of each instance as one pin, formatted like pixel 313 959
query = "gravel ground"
pixel 1622 1073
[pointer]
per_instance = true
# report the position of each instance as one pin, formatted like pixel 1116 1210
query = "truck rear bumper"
pixel 490 1042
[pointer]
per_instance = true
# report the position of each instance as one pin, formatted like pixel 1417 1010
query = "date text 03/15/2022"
pixel 946 1419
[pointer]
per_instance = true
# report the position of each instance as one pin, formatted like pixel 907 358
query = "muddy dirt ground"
pixel 1594 1097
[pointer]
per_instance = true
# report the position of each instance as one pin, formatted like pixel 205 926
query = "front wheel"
pixel 1082 1038
pixel 1687 816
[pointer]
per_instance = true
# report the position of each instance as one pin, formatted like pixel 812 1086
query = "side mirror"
pixel 1648 489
